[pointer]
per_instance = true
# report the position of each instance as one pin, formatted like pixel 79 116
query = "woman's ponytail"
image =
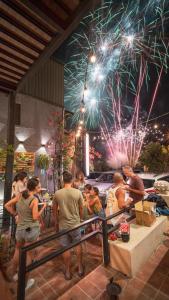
pixel 25 194
pixel 31 185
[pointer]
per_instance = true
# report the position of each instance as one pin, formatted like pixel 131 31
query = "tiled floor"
pixel 50 281
pixel 152 282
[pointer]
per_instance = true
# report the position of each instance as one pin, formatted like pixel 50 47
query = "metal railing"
pixel 23 269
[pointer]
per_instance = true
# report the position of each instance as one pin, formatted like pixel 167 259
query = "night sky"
pixel 161 105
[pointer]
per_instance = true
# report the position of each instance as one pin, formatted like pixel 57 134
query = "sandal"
pixel 67 276
pixel 82 272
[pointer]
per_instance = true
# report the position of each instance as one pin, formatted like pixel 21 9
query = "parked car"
pixel 94 175
pixel 150 178
pixel 103 182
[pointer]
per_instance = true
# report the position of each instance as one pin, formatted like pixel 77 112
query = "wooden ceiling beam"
pixel 7 78
pixel 37 9
pixel 5 68
pixel 9 63
pixel 64 7
pixel 57 41
pixel 4 90
pixel 20 9
pixel 19 59
pixel 11 68
pixel 6 85
pixel 22 27
pixel 17 49
pixel 4 73
pixel 19 39
pixel 43 7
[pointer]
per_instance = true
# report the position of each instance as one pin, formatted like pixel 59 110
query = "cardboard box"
pixel 145 213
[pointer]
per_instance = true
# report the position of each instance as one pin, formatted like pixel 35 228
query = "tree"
pixel 155 157
pixel 60 148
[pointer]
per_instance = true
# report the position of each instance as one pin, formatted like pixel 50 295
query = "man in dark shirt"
pixel 135 185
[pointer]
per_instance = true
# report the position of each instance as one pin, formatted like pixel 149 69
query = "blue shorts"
pixel 101 213
pixel 73 236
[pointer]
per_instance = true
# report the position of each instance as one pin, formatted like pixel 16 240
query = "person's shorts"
pixel 28 235
pixel 73 236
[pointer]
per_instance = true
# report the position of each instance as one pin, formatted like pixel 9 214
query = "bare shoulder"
pixel 120 191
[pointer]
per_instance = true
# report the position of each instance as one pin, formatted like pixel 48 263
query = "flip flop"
pixel 67 276
pixel 81 274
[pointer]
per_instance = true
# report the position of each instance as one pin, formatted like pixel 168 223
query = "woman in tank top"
pixel 79 182
pixel 117 198
pixel 25 208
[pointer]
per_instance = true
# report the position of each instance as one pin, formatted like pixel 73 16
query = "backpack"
pixel 160 202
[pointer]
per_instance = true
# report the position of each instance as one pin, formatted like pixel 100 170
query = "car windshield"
pixel 93 175
pixel 106 178
pixel 148 183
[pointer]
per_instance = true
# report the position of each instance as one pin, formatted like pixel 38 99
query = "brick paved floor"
pixel 152 282
pixel 50 281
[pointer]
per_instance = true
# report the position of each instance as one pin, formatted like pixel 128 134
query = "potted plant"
pixel 43 161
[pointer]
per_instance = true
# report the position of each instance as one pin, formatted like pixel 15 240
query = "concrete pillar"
pixel 10 154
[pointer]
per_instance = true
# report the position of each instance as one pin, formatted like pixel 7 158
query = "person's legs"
pixel 65 241
pixel 76 236
pixel 31 236
pixel 79 259
pixel 67 262
pixel 15 260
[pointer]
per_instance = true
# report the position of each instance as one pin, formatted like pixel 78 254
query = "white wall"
pixel 34 129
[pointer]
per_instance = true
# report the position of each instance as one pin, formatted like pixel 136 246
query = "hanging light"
pixel 81 122
pixel 86 91
pixel 78 134
pixel 83 109
pixel 93 58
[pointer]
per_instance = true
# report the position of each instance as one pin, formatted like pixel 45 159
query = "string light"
pixel 93 59
pixel 86 91
pixel 83 109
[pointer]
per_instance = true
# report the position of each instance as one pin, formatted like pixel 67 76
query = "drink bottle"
pixel 125 230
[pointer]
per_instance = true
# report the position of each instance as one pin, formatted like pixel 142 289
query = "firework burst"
pixel 114 49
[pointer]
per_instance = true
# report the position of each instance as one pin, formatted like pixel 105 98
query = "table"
pixel 129 257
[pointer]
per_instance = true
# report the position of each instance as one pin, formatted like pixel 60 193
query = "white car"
pixel 150 178
pixel 104 182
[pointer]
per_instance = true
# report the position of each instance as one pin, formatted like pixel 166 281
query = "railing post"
pixel 21 275
pixel 106 254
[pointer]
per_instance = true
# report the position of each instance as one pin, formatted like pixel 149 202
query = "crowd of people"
pixel 72 204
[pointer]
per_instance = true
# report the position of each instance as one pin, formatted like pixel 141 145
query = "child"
pixel 95 206
pixel 86 197
pixel 86 192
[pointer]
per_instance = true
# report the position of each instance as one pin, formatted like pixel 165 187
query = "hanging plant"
pixel 43 161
